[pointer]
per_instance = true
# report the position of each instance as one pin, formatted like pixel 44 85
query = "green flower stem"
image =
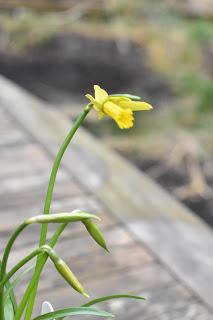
pixel 4 264
pixel 43 258
pixel 18 266
pixel 48 200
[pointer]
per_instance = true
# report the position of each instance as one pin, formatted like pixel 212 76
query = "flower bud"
pixel 64 270
pixel 63 217
pixel 95 233
pixel 69 276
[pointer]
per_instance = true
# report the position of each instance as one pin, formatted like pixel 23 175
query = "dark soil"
pixel 172 178
pixel 69 65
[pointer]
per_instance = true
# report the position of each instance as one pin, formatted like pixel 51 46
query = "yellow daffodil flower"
pixel 119 107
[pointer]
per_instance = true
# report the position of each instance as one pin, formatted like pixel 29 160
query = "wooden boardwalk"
pixel 146 255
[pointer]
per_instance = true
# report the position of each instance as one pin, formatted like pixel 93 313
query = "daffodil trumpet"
pixel 118 107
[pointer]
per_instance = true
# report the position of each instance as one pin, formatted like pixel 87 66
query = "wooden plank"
pixel 82 251
pixel 11 138
pixel 29 238
pixel 9 133
pixel 98 264
pixel 79 243
pixel 165 300
pixel 173 302
pixel 14 215
pixel 132 197
pixel 197 265
pixel 12 197
pixel 29 158
pixel 132 280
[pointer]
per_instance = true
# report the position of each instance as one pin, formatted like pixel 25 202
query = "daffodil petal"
pixel 135 105
pixel 96 105
pixel 117 100
pixel 100 94
pixel 88 96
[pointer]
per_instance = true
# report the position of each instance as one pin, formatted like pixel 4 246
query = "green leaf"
pixel 72 312
pixel 114 296
pixel 12 294
pixel 8 309
pixel 17 280
pixel 126 95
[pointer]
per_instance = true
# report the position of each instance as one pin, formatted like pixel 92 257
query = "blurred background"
pixel 161 50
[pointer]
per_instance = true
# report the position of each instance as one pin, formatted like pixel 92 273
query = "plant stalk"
pixel 4 264
pixel 19 266
pixel 43 258
pixel 41 261
pixel 12 294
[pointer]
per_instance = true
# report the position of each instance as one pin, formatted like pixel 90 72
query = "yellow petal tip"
pixel 96 86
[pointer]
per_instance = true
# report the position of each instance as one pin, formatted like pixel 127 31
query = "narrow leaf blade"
pixel 12 294
pixel 114 296
pixel 17 281
pixel 73 312
pixel 8 309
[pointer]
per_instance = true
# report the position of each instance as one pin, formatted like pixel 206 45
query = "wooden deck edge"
pixel 179 239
